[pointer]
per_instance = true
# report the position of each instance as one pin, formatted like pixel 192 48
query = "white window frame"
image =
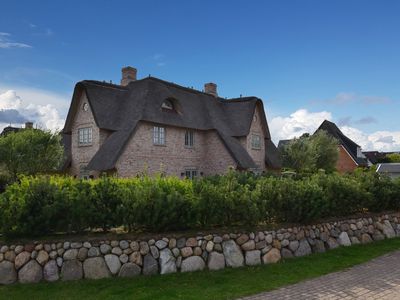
pixel 256 141
pixel 189 138
pixel 85 136
pixel 159 135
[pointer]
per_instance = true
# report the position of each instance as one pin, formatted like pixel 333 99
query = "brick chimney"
pixel 28 125
pixel 211 88
pixel 128 75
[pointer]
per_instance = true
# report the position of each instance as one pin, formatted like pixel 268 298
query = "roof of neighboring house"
pixel 283 143
pixel 9 129
pixel 119 109
pixel 348 144
pixel 388 168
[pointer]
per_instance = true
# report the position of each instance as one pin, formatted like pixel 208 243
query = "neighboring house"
pixel 9 129
pixel 390 169
pixel 155 126
pixel 350 155
pixel 378 157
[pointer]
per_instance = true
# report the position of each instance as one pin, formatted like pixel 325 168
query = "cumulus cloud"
pixel 299 122
pixel 14 110
pixel 7 43
pixel 303 121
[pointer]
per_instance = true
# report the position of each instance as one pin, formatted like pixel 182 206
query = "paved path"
pixel 376 279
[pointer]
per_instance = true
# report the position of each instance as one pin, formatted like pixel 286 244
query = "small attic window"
pixel 167 104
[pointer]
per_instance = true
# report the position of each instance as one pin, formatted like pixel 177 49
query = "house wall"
pixel 345 163
pixel 208 155
pixel 81 155
pixel 256 127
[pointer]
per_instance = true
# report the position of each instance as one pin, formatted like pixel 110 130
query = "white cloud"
pixel 13 107
pixel 7 43
pixel 303 121
pixel 299 122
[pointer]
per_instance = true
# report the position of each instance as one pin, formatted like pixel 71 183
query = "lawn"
pixel 226 284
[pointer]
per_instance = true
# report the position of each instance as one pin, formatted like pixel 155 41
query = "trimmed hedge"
pixel 45 204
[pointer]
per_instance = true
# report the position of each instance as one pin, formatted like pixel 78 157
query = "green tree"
pixel 393 157
pixel 30 151
pixel 311 153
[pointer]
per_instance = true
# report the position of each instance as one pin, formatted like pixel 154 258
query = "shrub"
pixel 46 204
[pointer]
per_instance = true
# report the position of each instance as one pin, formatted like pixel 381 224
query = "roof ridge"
pixel 105 84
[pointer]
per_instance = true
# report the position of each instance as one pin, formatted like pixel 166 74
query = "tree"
pixel 393 158
pixel 30 151
pixel 311 153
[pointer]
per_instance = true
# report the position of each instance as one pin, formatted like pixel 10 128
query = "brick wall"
pixel 81 155
pixel 345 163
pixel 208 155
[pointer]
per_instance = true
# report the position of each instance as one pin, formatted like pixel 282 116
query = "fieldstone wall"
pixel 65 261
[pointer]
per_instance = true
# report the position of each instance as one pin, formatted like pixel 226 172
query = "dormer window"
pixel 167 104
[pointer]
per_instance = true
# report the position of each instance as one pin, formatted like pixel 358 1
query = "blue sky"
pixel 307 60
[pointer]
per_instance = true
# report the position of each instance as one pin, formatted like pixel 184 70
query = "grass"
pixel 225 284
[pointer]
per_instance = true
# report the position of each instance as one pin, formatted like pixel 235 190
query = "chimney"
pixel 211 88
pixel 28 125
pixel 128 75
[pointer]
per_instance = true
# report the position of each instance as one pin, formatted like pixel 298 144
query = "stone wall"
pixel 66 260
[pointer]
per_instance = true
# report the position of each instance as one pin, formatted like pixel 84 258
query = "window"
pixel 167 104
pixel 85 136
pixel 255 141
pixel 189 138
pixel 158 135
pixel 83 172
pixel 191 173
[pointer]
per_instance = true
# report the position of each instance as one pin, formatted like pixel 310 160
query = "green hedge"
pixel 46 204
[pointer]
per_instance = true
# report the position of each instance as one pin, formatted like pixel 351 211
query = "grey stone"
pixel 332 243
pixel 8 274
pixel 124 244
pixel 129 270
pixel 285 243
pixel 59 261
pixel 249 245
pixel 167 262
pixel 303 249
pixel 344 239
pixel 22 259
pixel 70 254
pixel 76 245
pixel 150 265
pixel 116 251
pixel 286 253
pixel 253 257
pixel 217 240
pixel 176 252
pixel 105 249
pixel 82 254
pixel 66 245
pixel 378 236
pixel 113 263
pixel 72 270
pixel 233 255
pixel 181 242
pixel 293 245
pixel 144 248
pixel 93 252
pixel 388 230
pixel 50 271
pixel 136 258
pixel 192 264
pixel 30 273
pixel 319 246
pixel 124 258
pixel 216 261
pixel 365 238
pixel 243 238
pixel 96 268
pixel 19 249
pixel 87 245
pixel 134 246
pixel 4 249
pixel 154 251
pixel 354 240
pixel 210 246
pixel 161 244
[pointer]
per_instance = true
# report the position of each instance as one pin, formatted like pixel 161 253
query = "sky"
pixel 308 60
